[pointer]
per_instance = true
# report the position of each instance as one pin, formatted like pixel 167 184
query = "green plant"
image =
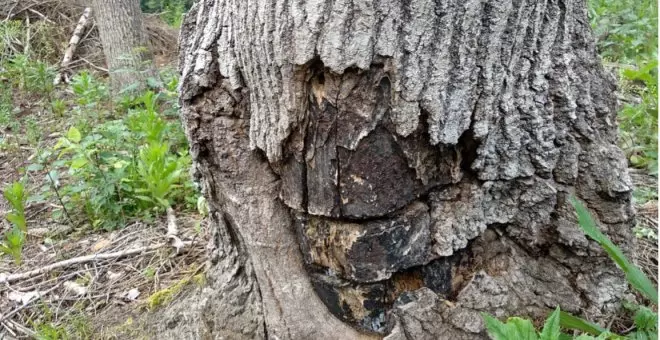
pixel 122 169
pixel 29 75
pixel 518 328
pixel 16 196
pixel 15 237
pixel 626 32
pixel 13 244
pixel 159 173
pixel 635 276
pixel 645 319
pixel 171 11
pixel 32 131
pixel 58 106
pixel 639 122
pixel 625 29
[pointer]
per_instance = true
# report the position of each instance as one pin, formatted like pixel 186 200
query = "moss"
pixel 165 296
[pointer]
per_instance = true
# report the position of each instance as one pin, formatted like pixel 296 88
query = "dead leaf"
pixel 23 298
pixel 112 275
pixel 75 288
pixel 132 294
pixel 100 244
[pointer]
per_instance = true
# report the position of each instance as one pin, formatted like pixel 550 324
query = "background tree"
pixel 368 159
pixel 124 42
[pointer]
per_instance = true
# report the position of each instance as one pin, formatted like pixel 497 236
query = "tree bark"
pixel 124 40
pixel 393 168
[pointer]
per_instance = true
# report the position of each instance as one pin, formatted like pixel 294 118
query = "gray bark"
pixel 124 40
pixel 393 168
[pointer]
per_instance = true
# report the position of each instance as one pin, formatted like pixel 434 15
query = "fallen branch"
pixel 83 23
pixel 4 278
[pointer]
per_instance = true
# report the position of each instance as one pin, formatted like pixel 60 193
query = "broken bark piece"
pixel 363 305
pixel 366 305
pixel 375 178
pixel 368 251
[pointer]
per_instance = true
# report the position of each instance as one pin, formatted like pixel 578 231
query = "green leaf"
pixel 635 277
pixel 646 319
pixel 78 163
pixel 73 135
pixel 569 321
pixel 551 328
pixel 163 202
pixel 496 328
pixel 18 220
pixel 514 329
pixel 34 167
pixel 585 337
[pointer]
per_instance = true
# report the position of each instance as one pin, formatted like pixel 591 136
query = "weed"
pixel 171 11
pixel 646 232
pixel 16 196
pixel 15 237
pixel 13 244
pixel 123 169
pixel 32 131
pixel 89 91
pixel 49 331
pixel 58 106
pixel 29 75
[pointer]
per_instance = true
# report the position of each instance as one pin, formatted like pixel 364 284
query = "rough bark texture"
pixel 124 42
pixel 393 168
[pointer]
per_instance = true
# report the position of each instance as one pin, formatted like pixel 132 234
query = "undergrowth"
pixel 116 160
pixel 626 33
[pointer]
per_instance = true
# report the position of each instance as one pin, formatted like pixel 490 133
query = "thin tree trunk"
pixel 394 168
pixel 124 40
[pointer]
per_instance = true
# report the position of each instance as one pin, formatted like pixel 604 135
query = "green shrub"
pixel 639 122
pixel 123 169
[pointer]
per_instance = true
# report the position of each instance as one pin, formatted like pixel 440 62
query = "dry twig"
pixel 77 260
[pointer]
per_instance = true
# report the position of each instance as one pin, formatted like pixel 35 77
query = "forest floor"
pixel 101 254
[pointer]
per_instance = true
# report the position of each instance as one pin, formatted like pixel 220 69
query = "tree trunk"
pixel 393 168
pixel 124 42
